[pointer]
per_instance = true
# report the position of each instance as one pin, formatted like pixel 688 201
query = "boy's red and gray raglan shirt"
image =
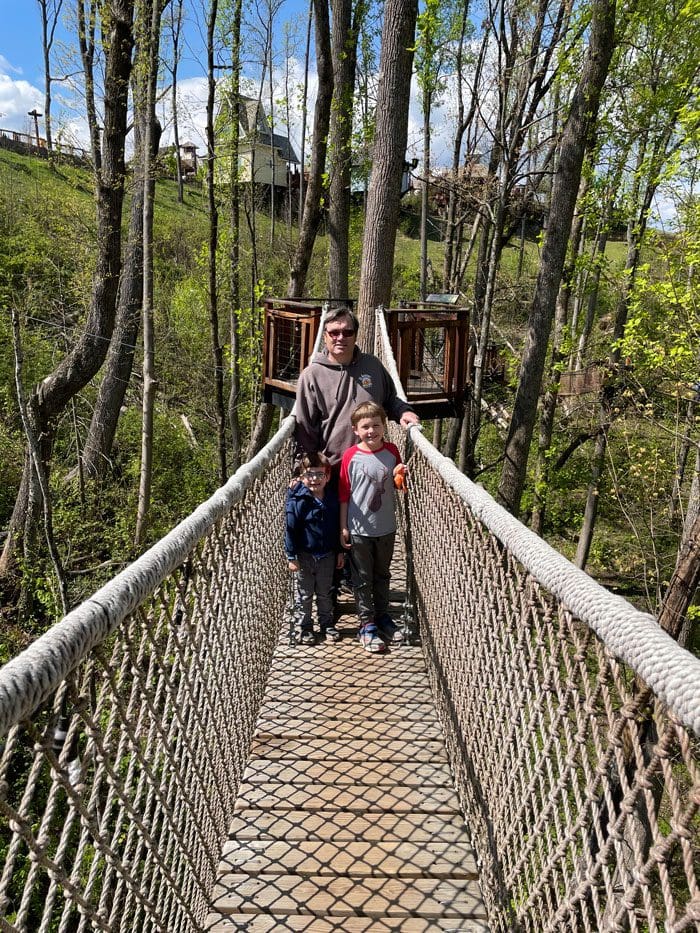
pixel 367 485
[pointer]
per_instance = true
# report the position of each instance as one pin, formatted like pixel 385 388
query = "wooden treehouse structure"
pixel 430 341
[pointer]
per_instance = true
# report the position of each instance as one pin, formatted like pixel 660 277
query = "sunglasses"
pixel 337 334
pixel 315 474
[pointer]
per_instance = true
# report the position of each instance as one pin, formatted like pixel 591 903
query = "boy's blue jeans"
pixel 371 574
pixel 315 577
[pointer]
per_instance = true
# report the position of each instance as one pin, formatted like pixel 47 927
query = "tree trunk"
pixel 314 190
pixel 271 119
pixel 97 449
pixel 304 112
pixel 54 393
pixel 683 584
pixel 592 300
pixel 312 202
pixel 427 104
pixel 176 28
pixel 40 473
pixel 344 52
pixel 86 42
pixel 684 451
pixel 549 404
pixel 234 238
pixel 389 154
pixel 579 124
pixel 453 226
pixel 216 348
pixel 636 228
pixel 261 429
pixel 151 34
pixel 496 231
pixel 49 21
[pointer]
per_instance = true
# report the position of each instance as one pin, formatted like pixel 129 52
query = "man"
pixel 335 382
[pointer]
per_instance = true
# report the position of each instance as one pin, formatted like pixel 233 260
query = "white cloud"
pixel 17 97
pixel 192 106
pixel 6 66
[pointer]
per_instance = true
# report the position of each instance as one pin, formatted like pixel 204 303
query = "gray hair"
pixel 337 314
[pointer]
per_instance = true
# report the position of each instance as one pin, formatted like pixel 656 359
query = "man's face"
pixel 339 337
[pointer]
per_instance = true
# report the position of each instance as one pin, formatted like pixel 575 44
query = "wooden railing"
pixel 37 145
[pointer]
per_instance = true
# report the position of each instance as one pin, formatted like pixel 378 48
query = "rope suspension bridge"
pixel 528 762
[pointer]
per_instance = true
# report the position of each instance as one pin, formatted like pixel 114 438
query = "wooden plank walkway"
pixel 347 818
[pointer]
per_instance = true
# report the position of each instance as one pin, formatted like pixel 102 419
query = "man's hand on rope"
pixel 409 418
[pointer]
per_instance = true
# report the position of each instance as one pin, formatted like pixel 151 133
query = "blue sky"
pixel 22 74
pixel 22 70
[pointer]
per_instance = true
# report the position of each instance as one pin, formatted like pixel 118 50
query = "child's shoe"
pixel 331 633
pixel 388 630
pixel 307 637
pixel 369 638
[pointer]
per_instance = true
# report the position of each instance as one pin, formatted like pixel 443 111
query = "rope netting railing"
pixel 571 719
pixel 125 729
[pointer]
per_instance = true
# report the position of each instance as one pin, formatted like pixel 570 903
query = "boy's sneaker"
pixel 307 637
pixel 369 638
pixel 331 633
pixel 388 630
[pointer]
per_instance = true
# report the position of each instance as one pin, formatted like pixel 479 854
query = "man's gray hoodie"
pixel 328 393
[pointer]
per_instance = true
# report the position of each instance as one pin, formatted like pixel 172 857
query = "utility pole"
pixel 35 113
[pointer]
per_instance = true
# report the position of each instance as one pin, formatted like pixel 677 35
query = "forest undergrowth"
pixel 46 231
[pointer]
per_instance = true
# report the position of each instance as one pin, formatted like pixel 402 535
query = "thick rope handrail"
pixel 29 679
pixel 633 636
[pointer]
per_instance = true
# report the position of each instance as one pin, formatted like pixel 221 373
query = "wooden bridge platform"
pixel 347 818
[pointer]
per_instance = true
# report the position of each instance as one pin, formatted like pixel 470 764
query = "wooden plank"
pixel 350 750
pixel 334 660
pixel 361 727
pixel 361 683
pixel 397 798
pixel 337 825
pixel 358 859
pixel 335 655
pixel 325 652
pixel 308 923
pixel 319 710
pixel 331 771
pixel 338 896
pixel 408 693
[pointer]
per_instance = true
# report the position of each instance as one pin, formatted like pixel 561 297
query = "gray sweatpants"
pixel 371 575
pixel 315 577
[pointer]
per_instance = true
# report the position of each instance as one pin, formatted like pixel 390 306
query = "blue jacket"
pixel 313 525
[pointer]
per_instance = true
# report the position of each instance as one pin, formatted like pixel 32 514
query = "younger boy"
pixel 311 543
pixel 368 522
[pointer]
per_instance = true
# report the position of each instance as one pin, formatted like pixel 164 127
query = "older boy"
pixel 367 520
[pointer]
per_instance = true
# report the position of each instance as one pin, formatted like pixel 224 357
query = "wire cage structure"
pixel 494 362
pixel 431 344
pixel 291 327
pixel 430 340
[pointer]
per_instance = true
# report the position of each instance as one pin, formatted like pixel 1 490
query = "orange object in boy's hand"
pixel 400 476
